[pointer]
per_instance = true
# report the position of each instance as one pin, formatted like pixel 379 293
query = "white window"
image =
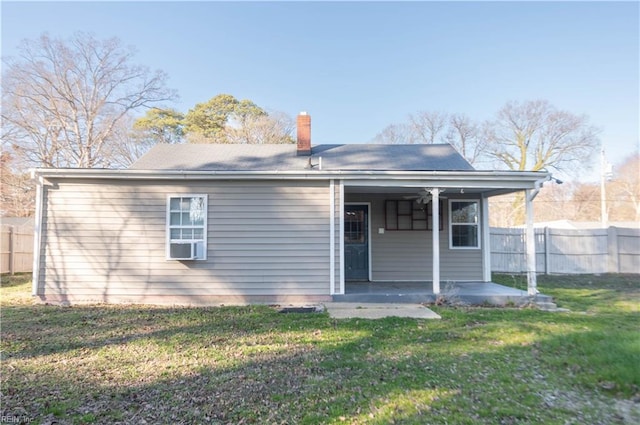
pixel 187 227
pixel 464 219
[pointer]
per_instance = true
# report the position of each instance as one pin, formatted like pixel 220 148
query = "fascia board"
pixel 491 183
pixel 448 183
pixel 352 178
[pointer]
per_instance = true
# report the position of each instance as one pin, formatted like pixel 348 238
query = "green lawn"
pixel 239 365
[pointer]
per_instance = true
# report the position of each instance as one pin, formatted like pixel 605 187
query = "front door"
pixel 356 242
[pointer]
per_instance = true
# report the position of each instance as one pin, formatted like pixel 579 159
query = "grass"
pixel 239 365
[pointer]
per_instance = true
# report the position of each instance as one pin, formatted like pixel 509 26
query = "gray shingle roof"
pixel 348 157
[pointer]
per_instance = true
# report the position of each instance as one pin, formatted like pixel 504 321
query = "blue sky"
pixel 357 67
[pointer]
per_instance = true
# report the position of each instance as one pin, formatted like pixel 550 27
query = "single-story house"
pixel 209 224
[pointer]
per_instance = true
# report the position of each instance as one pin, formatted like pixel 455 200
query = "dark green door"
pixel 356 242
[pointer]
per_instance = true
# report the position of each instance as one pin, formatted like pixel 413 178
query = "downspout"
pixel 37 232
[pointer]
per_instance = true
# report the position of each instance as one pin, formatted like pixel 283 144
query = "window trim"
pixel 168 226
pixel 477 224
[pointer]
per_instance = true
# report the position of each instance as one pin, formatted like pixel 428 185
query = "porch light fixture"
pixel 551 178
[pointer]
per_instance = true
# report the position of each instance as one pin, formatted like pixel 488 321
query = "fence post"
pixel 12 251
pixel 613 262
pixel 547 251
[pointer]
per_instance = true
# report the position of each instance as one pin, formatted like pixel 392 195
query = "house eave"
pixel 491 182
pixel 270 174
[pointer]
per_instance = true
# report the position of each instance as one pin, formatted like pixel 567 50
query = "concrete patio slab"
pixel 347 310
pixel 471 293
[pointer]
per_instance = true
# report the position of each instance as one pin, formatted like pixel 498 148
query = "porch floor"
pixel 474 293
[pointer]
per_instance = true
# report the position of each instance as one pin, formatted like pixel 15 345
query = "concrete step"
pixel 345 310
pixel 550 306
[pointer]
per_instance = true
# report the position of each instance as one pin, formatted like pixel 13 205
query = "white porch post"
pixel 532 282
pixel 342 289
pixel 332 237
pixel 435 226
pixel 485 240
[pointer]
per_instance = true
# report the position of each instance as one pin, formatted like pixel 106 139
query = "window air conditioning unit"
pixel 182 250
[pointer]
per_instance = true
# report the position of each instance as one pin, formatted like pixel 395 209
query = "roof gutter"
pixel 83 173
pixel 493 182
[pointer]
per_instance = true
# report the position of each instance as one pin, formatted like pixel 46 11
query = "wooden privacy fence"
pixel 16 250
pixel 568 251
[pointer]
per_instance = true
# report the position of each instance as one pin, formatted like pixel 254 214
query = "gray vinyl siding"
pixel 104 239
pixel 407 255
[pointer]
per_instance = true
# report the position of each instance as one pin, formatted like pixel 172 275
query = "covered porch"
pixel 407 239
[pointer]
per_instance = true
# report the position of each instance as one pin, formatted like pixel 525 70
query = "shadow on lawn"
pixel 250 365
pixel 42 330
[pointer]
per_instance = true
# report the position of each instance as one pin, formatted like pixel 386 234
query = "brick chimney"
pixel 304 134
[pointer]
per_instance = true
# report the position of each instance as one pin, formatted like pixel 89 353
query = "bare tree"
pixel 62 99
pixel 624 190
pixel 428 126
pixel 502 211
pixel 464 135
pixel 528 136
pixel 585 203
pixel 128 143
pixel 569 201
pixel 422 127
pixel 534 135
pixel 395 134
pixel 438 127
pixel 17 189
pixel 275 127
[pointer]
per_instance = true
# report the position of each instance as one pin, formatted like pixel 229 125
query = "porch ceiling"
pixel 485 183
pixel 411 190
